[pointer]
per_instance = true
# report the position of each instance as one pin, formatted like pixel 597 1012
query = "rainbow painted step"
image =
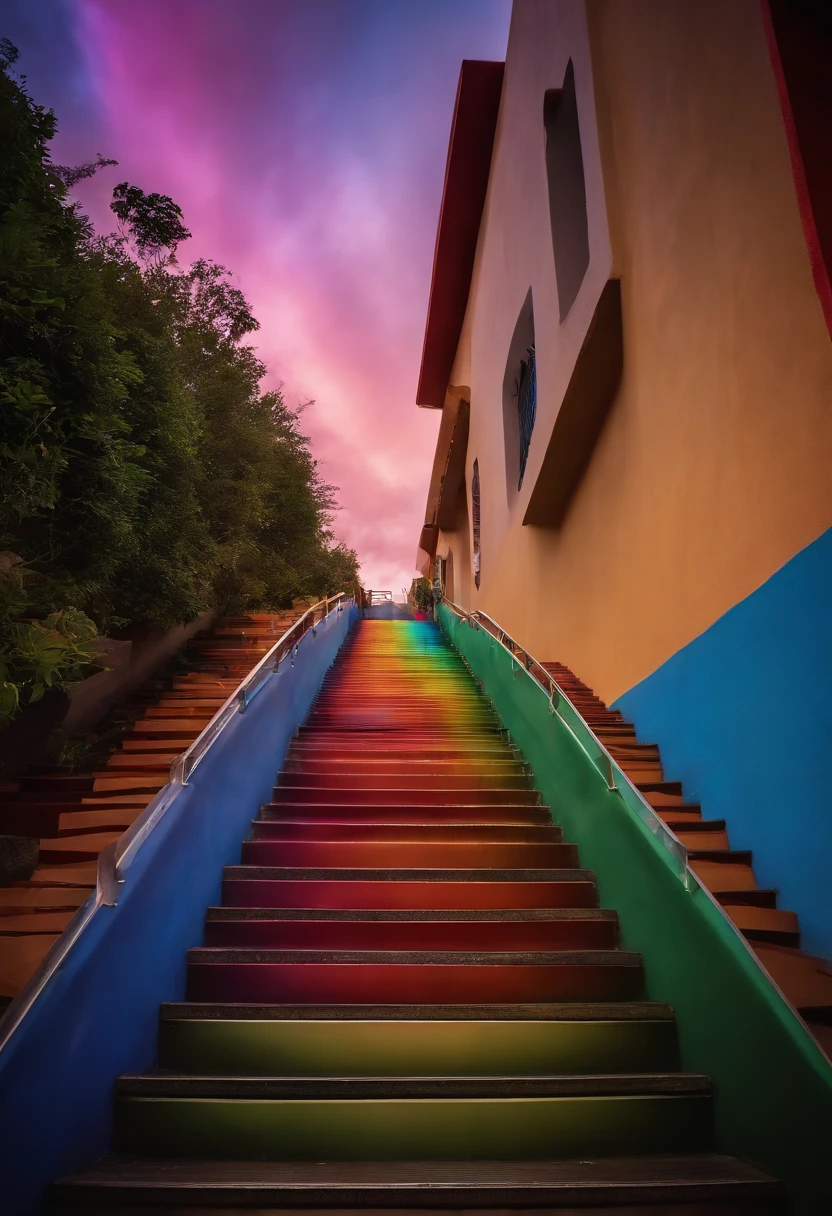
pixel 410 979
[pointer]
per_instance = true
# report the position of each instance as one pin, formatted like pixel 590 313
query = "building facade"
pixel 628 336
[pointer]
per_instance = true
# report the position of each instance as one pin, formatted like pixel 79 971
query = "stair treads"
pixel 38 921
pixel 410 967
pixel 418 874
pixel 408 748
pixel 418 1011
pixel 447 915
pixel 302 1088
pixel 31 898
pixel 402 764
pixel 427 1184
pixel 19 957
pixel 206 955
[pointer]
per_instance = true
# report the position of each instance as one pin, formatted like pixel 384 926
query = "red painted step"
pixel 414 780
pixel 382 854
pixel 414 893
pixel 403 795
pixel 571 976
pixel 586 932
pixel 287 829
pixel 389 812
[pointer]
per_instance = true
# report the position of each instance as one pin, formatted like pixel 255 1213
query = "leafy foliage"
pixel 154 220
pixel 36 655
pixel 146 476
pixel 422 594
pixel 71 175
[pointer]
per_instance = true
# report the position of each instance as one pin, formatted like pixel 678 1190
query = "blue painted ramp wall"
pixel 743 716
pixel 98 1016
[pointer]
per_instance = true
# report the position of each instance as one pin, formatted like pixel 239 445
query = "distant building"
pixel 628 336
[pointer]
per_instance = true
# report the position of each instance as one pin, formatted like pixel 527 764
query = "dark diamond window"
pixel 475 517
pixel 526 407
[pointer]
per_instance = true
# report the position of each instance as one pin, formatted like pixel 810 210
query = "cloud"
pixel 305 143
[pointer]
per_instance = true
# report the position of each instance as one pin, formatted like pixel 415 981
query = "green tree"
pixel 146 476
pixel 153 220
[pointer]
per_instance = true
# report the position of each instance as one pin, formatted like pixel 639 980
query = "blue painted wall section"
pixel 743 716
pixel 98 1017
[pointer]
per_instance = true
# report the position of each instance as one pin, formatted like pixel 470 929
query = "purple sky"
pixel 305 141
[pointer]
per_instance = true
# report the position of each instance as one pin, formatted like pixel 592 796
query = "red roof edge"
pixel 463 198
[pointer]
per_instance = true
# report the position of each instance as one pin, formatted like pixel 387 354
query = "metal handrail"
pixel 115 859
pixel 183 766
pixel 610 770
pixel 616 780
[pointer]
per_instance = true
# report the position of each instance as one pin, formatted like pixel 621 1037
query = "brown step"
pixel 723 876
pixel 754 897
pixel 699 834
pixel 685 815
pixel 43 921
pixel 805 979
pixel 765 924
pixel 23 899
pixel 20 956
pixel 688 1185
pixel 77 847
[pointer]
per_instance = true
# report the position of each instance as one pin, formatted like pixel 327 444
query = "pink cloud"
pixel 306 151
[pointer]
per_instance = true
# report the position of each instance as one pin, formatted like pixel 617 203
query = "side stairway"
pixel 409 997
pixel 75 815
pixel 728 873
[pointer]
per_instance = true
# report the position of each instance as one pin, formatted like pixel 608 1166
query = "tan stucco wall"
pixel 713 468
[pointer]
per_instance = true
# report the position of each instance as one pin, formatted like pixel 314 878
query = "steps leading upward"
pixel 410 997
pixel 774 933
pixel 76 815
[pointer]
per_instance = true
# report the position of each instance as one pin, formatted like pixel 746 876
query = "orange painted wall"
pixel 713 468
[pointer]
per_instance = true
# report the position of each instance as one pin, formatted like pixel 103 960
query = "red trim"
pixel 800 56
pixel 463 198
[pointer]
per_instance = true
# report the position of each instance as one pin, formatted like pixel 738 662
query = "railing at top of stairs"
pixel 115 860
pixel 616 779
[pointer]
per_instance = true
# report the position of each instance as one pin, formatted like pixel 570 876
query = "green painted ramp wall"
pixel 773 1086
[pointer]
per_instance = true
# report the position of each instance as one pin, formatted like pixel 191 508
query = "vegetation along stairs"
pixel 409 997
pixel 74 815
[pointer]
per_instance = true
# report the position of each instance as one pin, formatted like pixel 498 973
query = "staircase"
pixel 76 815
pixel 409 997
pixel 773 932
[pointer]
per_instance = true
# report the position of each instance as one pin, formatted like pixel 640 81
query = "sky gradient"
pixel 305 142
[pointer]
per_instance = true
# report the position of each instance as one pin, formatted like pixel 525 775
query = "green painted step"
pixel 392 1129
pixel 390 1048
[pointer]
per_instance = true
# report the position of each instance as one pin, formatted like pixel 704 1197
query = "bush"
pixel 146 476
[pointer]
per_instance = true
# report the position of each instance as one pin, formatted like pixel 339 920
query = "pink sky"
pixel 305 143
